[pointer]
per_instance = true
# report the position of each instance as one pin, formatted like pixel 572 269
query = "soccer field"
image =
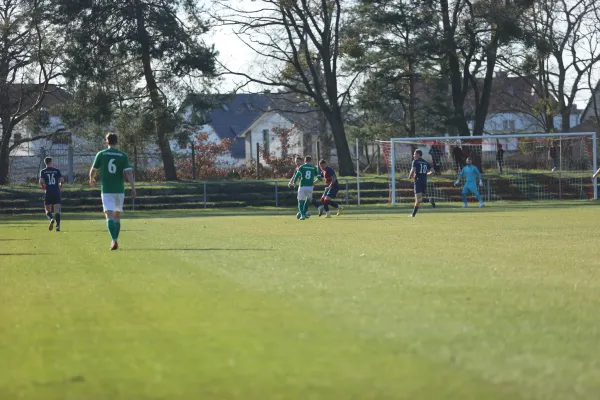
pixel 494 303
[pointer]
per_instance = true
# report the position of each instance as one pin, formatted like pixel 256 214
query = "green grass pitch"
pixel 494 303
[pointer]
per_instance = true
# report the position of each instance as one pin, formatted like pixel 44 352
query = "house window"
pixel 508 125
pixel 266 141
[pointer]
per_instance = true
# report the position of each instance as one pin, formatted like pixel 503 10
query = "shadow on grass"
pixel 6 240
pixel 382 209
pixel 22 254
pixel 198 249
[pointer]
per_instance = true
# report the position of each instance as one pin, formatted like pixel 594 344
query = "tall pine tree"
pixel 160 38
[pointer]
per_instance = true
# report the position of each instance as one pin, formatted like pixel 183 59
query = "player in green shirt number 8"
pixel 114 166
pixel 306 173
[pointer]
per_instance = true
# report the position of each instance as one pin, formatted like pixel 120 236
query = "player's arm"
pixel 430 170
pixel 412 170
pixel 596 174
pixel 93 170
pixel 42 181
pixel 460 175
pixel 129 176
pixel 478 175
pixel 294 178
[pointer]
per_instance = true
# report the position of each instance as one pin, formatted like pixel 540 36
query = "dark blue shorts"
pixel 331 192
pixel 420 187
pixel 52 198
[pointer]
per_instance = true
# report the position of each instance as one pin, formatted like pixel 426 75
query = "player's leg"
pixel 302 198
pixel 309 197
pixel 120 199
pixel 48 210
pixel 57 214
pixel 331 195
pixel 475 191
pixel 108 203
pixel 464 193
pixel 418 199
pixel 325 201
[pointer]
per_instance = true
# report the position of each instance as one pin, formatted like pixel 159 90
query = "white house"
pixel 253 119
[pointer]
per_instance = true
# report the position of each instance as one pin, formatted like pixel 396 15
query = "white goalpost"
pixel 541 166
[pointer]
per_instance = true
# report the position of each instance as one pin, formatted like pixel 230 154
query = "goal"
pixel 540 166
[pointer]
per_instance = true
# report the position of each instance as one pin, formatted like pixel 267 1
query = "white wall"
pixel 222 161
pixel 523 123
pixel 267 122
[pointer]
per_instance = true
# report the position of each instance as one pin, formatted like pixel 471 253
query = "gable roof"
pixel 28 94
pixel 231 116
pixel 589 125
pixel 588 111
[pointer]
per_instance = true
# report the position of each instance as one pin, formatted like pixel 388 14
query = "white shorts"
pixel 113 201
pixel 305 192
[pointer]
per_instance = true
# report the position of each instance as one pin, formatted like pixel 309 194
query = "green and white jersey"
pixel 307 174
pixel 112 164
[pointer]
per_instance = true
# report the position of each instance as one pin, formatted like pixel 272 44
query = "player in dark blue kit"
pixel 420 169
pixel 331 190
pixel 51 180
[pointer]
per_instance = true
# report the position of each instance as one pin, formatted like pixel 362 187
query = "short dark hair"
pixel 469 158
pixel 111 138
pixel 308 159
pixel 419 152
pixel 322 162
pixel 48 160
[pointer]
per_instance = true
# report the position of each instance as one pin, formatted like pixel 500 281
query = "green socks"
pixel 117 228
pixel 301 207
pixel 112 229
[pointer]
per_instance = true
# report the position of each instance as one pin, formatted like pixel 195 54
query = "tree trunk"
pixel 482 110
pixel 411 100
pixel 345 164
pixel 565 124
pixel 4 159
pixel 459 120
pixel 161 118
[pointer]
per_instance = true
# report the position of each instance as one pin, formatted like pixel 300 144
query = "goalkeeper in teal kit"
pixel 471 174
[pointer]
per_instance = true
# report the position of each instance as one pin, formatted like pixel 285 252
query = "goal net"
pixel 514 167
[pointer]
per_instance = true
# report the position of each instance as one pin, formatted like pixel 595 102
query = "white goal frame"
pixel 507 136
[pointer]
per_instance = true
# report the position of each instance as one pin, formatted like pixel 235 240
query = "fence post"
pixel 378 158
pixel 489 190
pixel 357 174
pixel 204 194
pixel 276 194
pixel 71 176
pixel 559 184
pixel 193 161
pixel 257 160
pixel 347 195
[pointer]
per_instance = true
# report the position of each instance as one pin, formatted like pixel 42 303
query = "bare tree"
pixel 28 65
pixel 560 51
pixel 299 42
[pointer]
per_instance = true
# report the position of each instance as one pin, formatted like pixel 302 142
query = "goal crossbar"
pixel 592 135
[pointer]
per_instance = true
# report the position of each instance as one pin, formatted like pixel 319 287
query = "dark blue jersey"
pixel 329 174
pixel 421 167
pixel 51 177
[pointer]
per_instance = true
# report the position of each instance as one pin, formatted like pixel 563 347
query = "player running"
pixel 315 203
pixel 420 169
pixel 113 165
pixel 471 173
pixel 51 180
pixel 331 190
pixel 306 173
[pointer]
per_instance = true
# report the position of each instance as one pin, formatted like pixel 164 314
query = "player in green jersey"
pixel 114 166
pixel 306 173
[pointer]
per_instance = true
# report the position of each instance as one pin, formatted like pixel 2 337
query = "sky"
pixel 238 57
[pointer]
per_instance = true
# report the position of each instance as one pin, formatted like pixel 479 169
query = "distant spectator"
pixel 436 156
pixel 553 155
pixel 476 159
pixel 500 158
pixel 457 155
